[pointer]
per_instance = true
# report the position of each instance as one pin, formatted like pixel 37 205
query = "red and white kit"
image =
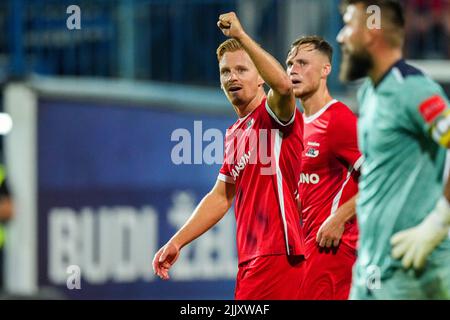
pixel 329 177
pixel 262 160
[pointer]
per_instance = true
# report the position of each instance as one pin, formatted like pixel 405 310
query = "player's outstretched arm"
pixel 281 97
pixel 331 230
pixel 208 212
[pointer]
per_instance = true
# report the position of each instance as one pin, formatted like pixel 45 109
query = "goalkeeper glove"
pixel 417 243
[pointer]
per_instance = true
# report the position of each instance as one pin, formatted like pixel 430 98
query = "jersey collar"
pixel 399 63
pixel 318 113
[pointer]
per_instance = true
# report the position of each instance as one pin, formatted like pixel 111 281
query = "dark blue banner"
pixel 114 184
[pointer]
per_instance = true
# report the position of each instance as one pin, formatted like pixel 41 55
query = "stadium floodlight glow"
pixel 6 123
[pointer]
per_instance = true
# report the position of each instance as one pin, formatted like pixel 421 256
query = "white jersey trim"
pixel 318 113
pixel 277 151
pixel 239 120
pixel 398 75
pixel 225 178
pixel 274 116
pixel 446 167
pixel 337 198
pixel 358 163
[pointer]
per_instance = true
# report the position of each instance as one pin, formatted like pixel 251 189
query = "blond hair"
pixel 230 45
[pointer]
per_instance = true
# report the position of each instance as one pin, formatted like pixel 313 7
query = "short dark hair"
pixel 391 12
pixel 391 9
pixel 317 42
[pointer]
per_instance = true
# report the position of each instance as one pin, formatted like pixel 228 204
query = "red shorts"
pixel 328 273
pixel 275 277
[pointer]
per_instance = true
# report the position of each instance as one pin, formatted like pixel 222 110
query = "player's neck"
pixel 382 62
pixel 244 110
pixel 312 104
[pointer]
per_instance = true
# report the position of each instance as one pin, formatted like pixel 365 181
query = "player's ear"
pixel 260 81
pixel 326 70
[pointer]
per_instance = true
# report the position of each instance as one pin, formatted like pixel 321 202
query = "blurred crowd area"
pixel 175 40
pixel 428 29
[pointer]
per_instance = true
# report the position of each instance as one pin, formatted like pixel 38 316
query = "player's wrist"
pixel 342 215
pixel 440 216
pixel 338 219
pixel 176 242
pixel 241 36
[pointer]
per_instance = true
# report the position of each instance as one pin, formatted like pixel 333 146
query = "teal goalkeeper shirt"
pixel 402 176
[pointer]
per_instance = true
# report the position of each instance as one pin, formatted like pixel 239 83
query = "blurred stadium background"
pixel 93 110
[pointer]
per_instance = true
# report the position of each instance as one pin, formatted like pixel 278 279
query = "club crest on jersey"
pixel 250 123
pixel 312 153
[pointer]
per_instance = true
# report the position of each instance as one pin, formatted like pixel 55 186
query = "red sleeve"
pixel 225 173
pixel 343 137
pixel 275 123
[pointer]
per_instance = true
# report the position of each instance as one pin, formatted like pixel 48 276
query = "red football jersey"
pixel 262 159
pixel 330 164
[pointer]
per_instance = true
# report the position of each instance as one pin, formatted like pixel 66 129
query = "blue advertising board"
pixel 112 190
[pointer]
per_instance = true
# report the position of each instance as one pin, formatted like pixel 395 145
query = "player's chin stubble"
pixel 355 66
